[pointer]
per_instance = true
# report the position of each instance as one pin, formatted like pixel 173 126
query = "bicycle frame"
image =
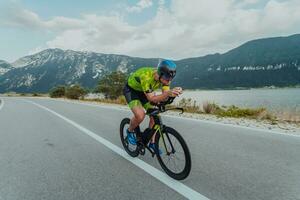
pixel 158 127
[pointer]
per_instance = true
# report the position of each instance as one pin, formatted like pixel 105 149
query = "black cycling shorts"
pixel 135 98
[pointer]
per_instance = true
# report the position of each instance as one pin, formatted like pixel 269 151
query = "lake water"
pixel 273 99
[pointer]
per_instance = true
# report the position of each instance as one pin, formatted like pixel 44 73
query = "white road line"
pixel 186 118
pixel 1 104
pixel 173 184
pixel 103 105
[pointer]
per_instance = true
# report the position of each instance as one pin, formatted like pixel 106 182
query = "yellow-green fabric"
pixel 140 82
pixel 136 102
pixel 143 80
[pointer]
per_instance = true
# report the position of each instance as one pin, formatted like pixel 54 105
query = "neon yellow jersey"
pixel 143 80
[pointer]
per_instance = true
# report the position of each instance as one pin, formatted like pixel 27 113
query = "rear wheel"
pixel 131 149
pixel 175 158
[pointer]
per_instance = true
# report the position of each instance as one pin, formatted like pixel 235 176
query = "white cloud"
pixel 187 29
pixel 141 5
pixel 281 16
pixel 101 33
pixel 244 3
pixel 16 16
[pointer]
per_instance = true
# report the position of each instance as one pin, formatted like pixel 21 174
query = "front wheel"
pixel 174 156
pixel 131 149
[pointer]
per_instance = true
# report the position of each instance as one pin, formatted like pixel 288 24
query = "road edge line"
pixel 162 177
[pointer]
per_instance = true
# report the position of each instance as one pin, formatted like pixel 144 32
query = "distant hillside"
pixel 257 63
pixel 42 71
pixel 4 67
pixel 263 62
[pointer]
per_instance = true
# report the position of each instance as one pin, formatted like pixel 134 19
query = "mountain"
pixel 4 67
pixel 263 62
pixel 44 70
pixel 257 63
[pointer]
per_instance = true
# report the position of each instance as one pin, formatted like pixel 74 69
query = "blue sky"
pixel 16 42
pixel 147 28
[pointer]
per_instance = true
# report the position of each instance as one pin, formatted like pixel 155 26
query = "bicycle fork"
pixel 159 129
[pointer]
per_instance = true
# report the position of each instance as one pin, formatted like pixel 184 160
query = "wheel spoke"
pixel 175 166
pixel 168 160
pixel 178 158
pixel 175 161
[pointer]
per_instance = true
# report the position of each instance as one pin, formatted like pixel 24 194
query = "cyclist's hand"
pixel 175 92
pixel 171 94
pixel 178 90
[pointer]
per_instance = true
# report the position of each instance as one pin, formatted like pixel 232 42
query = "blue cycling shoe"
pixel 131 137
pixel 152 146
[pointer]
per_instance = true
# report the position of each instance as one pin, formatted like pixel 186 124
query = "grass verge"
pixel 210 108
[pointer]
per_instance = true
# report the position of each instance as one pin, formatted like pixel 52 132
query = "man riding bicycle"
pixel 139 93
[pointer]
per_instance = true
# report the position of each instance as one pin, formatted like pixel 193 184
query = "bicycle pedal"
pixel 142 151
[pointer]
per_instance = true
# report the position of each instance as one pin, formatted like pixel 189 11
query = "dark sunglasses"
pixel 167 77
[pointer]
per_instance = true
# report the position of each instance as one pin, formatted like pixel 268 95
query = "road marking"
pixel 102 105
pixel 186 118
pixel 1 103
pixel 173 184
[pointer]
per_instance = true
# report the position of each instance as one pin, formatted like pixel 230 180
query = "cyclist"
pixel 139 93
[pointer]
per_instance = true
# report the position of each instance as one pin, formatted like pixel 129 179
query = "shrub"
pixel 267 116
pixel 58 91
pixel 234 111
pixel 122 100
pixel 119 100
pixel 189 105
pixel 210 108
pixel 111 85
pixel 75 92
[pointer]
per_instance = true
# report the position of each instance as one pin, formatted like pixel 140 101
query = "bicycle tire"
pixel 188 164
pixel 132 153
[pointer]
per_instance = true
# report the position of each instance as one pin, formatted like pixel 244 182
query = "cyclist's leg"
pixel 133 99
pixel 151 124
pixel 138 114
pixel 148 105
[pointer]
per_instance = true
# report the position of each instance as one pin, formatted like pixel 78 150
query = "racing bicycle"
pixel 170 148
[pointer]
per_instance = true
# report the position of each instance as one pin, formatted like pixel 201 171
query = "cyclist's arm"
pixel 166 93
pixel 158 98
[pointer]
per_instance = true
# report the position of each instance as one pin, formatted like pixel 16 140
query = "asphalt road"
pixel 46 152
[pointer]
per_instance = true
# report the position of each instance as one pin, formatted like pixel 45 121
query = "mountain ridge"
pixel 257 63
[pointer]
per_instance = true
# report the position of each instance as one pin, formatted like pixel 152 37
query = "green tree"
pixel 58 91
pixel 75 92
pixel 111 85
